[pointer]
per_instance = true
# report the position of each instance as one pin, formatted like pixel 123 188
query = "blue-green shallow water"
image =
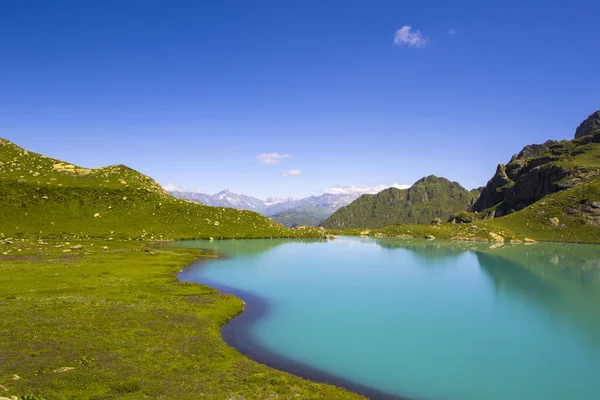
pixel 425 320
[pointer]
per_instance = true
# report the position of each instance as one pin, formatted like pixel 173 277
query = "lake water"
pixel 417 319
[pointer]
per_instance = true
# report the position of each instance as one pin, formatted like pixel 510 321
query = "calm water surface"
pixel 418 319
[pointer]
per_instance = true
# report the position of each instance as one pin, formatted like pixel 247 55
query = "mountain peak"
pixel 589 126
pixel 431 179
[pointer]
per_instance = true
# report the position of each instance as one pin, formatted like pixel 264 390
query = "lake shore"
pixel 107 319
pixel 235 334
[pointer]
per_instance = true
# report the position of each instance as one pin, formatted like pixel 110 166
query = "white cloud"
pixel 271 158
pixel 452 32
pixel 354 189
pixel 171 187
pixel 291 172
pixel 406 36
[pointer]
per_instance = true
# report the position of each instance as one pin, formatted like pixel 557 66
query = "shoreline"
pixel 234 334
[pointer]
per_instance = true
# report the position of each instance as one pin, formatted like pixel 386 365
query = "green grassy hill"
pixel 45 197
pixel 429 198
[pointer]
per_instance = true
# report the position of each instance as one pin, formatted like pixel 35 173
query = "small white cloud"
pixel 291 172
pixel 406 36
pixel 171 187
pixel 271 158
pixel 354 189
pixel 452 32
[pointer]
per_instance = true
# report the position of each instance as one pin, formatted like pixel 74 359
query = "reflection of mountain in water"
pixel 234 248
pixel 431 250
pixel 561 279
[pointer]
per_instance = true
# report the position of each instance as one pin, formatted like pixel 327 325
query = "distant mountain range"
pixel 289 212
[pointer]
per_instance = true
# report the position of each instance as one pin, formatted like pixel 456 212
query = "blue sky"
pixel 192 92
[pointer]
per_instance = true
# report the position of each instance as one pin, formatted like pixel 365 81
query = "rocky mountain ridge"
pixel 542 169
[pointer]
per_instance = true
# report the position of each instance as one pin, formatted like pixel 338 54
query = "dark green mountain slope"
pixel 429 198
pixel 540 170
pixel 45 197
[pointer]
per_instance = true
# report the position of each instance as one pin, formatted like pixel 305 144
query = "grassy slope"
pixel 532 222
pixel 429 198
pixel 535 220
pixel 49 198
pixel 116 323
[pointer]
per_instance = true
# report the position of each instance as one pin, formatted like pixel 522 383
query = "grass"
pixel 111 320
pixel 533 222
pixel 561 215
pixel 49 198
pixel 429 198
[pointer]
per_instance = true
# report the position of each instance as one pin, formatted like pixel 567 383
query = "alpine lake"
pixel 416 319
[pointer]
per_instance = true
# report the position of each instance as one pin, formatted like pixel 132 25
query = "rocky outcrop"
pixel 590 126
pixel 588 210
pixel 536 171
pixel 532 150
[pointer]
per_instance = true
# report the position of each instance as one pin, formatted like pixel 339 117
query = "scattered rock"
pixel 77 247
pixel 530 241
pixel 365 233
pixel 405 236
pixel 496 238
pixel 554 221
pixel 96 215
pixel 66 251
pixel 468 239
pixel 15 377
pixel 380 235
pixel 436 221
pixel 104 247
pixel 64 369
pixel 588 209
pixel 429 237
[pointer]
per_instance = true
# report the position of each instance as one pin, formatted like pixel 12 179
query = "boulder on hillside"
pixel 589 126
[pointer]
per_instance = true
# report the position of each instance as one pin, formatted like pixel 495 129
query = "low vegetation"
pixel 109 319
pixel 49 198
pixel 429 198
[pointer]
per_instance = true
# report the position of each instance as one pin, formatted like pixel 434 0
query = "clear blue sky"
pixel 190 92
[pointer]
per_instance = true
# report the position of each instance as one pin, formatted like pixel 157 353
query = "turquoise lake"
pixel 418 319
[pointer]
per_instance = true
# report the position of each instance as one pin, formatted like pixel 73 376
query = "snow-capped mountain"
pixel 225 198
pixel 327 200
pixel 312 209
